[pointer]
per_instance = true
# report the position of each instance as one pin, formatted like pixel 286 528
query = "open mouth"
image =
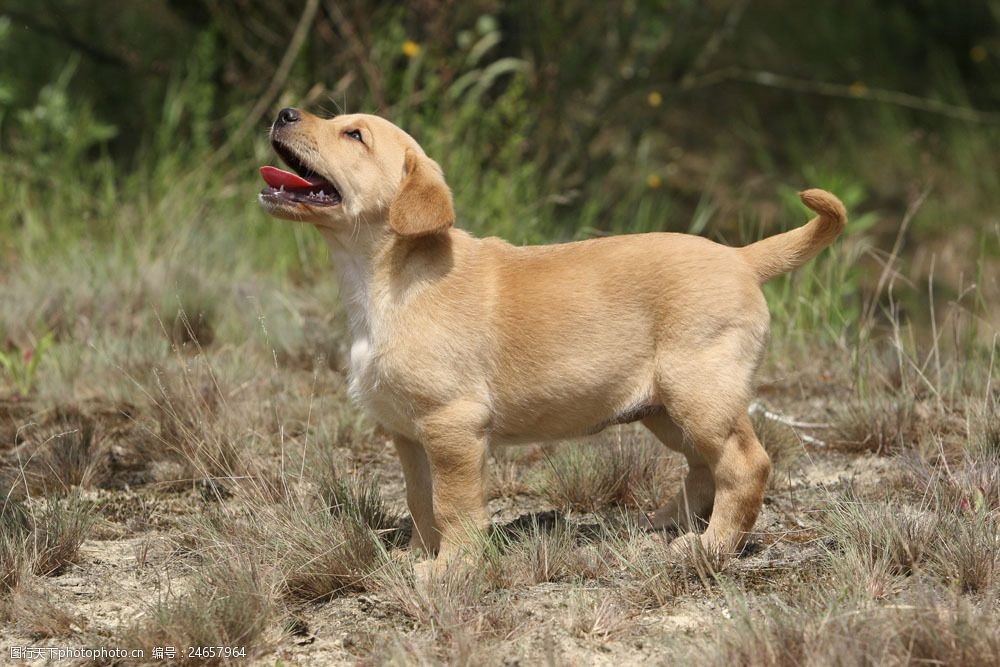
pixel 304 186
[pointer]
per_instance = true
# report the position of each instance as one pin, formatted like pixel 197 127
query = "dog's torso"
pixel 554 341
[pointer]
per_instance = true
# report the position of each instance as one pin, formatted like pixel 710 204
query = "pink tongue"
pixel 277 178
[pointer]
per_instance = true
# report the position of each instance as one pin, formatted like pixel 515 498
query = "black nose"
pixel 287 116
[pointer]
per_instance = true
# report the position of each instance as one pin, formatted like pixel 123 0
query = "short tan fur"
pixel 461 343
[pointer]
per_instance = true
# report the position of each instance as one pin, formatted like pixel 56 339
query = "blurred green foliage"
pixel 604 96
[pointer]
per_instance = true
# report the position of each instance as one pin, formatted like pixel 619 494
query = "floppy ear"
pixel 423 204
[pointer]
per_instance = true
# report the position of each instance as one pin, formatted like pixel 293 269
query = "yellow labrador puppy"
pixel 460 343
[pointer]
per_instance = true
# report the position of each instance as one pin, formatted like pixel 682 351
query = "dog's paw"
pixel 685 546
pixel 692 550
pixel 420 546
pixel 426 571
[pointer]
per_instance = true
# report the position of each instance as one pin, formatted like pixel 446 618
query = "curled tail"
pixel 781 253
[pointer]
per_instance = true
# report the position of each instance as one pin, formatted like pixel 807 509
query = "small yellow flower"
pixel 410 48
pixel 858 89
pixel 977 53
pixel 654 99
pixel 654 181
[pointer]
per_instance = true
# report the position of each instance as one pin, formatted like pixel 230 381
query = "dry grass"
pixel 508 468
pixel 318 544
pixel 530 554
pixel 66 448
pixel 972 483
pixel 950 535
pixel 458 618
pixel 196 428
pixel 359 501
pixel 783 446
pixel 620 469
pixel 36 614
pixel 41 538
pixel 815 628
pixel 278 532
pixel 881 424
pixel 655 577
pixel 230 603
pixel 598 617
pixel 984 428
pixel 15 556
pixel 882 536
pixel 967 553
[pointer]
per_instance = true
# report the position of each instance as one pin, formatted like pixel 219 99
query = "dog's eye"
pixel 355 134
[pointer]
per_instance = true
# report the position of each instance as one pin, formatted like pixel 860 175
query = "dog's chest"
pixel 364 376
pixel 372 389
pixel 367 382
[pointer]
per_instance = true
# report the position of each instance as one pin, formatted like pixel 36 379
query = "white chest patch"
pixel 363 373
pixel 365 384
pixel 370 393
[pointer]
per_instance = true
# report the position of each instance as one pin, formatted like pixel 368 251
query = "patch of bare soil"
pixel 113 582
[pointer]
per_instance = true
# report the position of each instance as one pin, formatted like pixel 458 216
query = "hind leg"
pixel 706 394
pixel 740 468
pixel 692 506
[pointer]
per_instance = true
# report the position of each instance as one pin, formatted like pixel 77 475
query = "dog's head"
pixel 354 169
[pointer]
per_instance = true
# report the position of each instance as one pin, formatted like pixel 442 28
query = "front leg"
pixel 455 441
pixel 417 473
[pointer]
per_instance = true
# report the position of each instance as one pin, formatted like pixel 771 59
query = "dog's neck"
pixel 377 269
pixel 372 270
pixel 354 255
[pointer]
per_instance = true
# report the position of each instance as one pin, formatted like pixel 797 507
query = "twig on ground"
pixel 795 424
